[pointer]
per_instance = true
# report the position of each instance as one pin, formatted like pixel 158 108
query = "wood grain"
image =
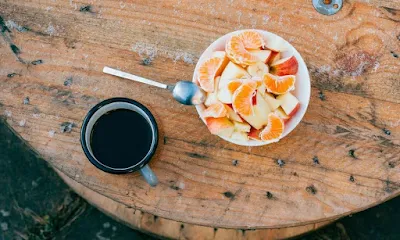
pixel 352 125
pixel 178 230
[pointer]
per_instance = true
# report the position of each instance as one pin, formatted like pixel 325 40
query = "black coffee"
pixel 121 138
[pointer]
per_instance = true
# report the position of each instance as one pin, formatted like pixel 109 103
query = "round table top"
pixel 342 158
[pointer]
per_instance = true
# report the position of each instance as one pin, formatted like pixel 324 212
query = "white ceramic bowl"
pixel 302 87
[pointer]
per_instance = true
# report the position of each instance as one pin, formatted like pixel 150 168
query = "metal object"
pixel 327 7
pixel 188 93
pixel 184 92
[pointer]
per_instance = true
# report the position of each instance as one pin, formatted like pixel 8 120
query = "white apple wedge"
pixel 232 71
pixel 263 55
pixel 259 118
pixel 242 127
pixel 241 136
pixel 280 113
pixel 289 103
pixel 273 103
pixel 212 97
pixel 232 115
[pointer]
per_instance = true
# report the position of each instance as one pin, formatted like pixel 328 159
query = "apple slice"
pixel 241 136
pixel 225 93
pixel 262 89
pixel 273 103
pixel 289 103
pixel 241 126
pixel 225 61
pixel 259 118
pixel 232 71
pixel 285 66
pixel 220 126
pixel 263 55
pixel 279 111
pixel 276 44
pixel 275 56
pixel 258 70
pixel 232 115
pixel 212 97
pixel 216 110
pixel 255 134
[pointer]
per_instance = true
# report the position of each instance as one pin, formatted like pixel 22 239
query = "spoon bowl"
pixel 188 93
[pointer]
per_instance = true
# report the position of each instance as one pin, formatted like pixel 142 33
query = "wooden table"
pixel 344 157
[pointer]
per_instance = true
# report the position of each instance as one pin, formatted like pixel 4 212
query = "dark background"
pixel 36 204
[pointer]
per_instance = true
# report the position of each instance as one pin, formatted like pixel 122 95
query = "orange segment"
pixel 233 85
pixel 216 110
pixel 252 40
pixel 279 85
pixel 274 129
pixel 207 72
pixel 237 47
pixel 242 98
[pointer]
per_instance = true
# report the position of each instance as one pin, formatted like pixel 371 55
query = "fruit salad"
pixel 248 88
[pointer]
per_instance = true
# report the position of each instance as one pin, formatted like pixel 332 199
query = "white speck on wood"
pixel 22 123
pixel 324 68
pixel 52 133
pixel 147 50
pixel 51 30
pixel 376 66
pixel 13 25
pixel 8 113
pixel 266 19
pixel 181 185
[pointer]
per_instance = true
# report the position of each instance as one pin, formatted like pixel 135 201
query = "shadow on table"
pixel 36 204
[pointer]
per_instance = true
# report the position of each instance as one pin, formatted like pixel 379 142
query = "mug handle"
pixel 149 175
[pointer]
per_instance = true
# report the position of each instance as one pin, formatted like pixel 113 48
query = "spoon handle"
pixel 132 77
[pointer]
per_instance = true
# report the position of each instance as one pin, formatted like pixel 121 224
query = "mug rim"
pixel 104 167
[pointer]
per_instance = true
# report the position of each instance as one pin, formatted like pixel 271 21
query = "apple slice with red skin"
pixel 289 103
pixel 279 111
pixel 262 55
pixel 255 134
pixel 220 126
pixel 285 66
pixel 275 56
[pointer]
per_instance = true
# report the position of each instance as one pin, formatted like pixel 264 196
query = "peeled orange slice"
pixel 207 72
pixel 216 110
pixel 252 40
pixel 237 47
pixel 274 129
pixel 242 98
pixel 279 85
pixel 233 85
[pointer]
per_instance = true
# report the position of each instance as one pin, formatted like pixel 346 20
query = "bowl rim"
pixel 305 81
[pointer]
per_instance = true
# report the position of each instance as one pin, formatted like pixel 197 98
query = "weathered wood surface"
pixel 352 124
pixel 178 230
